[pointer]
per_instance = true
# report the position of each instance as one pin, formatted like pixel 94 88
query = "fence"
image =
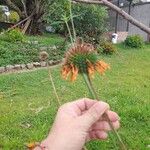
pixel 139 11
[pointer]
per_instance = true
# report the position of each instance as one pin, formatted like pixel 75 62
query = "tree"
pixel 120 12
pixel 90 21
pixel 30 12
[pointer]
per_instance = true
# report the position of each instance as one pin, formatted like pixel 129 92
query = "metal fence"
pixel 139 11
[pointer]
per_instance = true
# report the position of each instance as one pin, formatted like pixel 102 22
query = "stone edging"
pixel 29 66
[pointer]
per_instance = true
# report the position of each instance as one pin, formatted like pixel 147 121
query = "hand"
pixel 78 122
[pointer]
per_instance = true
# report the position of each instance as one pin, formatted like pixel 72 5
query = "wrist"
pixel 56 141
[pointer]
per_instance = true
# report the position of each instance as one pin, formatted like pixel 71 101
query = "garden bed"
pixel 14 53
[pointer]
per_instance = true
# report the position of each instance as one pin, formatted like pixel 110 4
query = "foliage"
pixel 14 35
pixel 89 20
pixel 14 17
pixel 91 23
pixel 106 48
pixel 28 101
pixel 55 14
pixel 134 41
pixel 27 51
pixel 26 8
pixel 2 17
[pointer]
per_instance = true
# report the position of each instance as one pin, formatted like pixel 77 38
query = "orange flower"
pixel 66 70
pixel 101 66
pixel 74 73
pixel 31 146
pixel 81 58
pixel 91 69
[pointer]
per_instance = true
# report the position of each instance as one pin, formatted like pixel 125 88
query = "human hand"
pixel 78 122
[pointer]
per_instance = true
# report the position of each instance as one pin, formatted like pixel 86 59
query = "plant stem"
pixel 71 39
pixel 92 92
pixel 94 96
pixel 54 88
pixel 71 16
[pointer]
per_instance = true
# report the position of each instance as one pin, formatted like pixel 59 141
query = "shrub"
pixel 134 41
pixel 14 35
pixel 89 20
pixel 14 17
pixel 2 17
pixel 106 48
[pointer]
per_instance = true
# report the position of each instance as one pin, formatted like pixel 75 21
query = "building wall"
pixel 140 12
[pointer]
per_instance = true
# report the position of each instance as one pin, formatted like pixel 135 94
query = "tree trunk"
pixel 30 13
pixel 120 12
pixel 34 28
pixel 26 25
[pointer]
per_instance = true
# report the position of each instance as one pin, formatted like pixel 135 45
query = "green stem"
pixel 94 96
pixel 71 39
pixel 71 16
pixel 54 88
pixel 92 92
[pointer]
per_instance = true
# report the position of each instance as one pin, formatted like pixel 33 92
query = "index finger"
pixel 82 105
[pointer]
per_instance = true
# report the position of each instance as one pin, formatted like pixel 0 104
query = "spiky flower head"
pixel 43 55
pixel 82 58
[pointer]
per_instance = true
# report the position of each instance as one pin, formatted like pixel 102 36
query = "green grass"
pixel 24 52
pixel 28 105
pixel 46 39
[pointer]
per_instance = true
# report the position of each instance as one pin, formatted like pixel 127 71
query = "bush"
pixel 14 35
pixel 134 41
pixel 14 17
pixel 89 20
pixel 106 48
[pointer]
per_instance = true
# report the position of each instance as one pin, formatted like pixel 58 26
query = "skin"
pixel 78 122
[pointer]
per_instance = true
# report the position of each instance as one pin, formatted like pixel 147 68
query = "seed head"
pixel 43 55
pixel 82 58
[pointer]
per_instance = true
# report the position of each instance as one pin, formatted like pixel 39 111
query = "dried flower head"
pixel 82 58
pixel 43 55
pixel 32 145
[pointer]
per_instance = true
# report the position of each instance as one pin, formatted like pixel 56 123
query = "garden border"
pixel 28 66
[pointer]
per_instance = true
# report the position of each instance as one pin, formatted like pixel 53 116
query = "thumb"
pixel 94 113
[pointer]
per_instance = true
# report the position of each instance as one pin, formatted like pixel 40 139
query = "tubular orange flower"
pixel 82 58
pixel 91 69
pixel 65 71
pixel 101 66
pixel 74 73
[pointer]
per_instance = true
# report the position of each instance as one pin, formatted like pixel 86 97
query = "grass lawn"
pixel 28 106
